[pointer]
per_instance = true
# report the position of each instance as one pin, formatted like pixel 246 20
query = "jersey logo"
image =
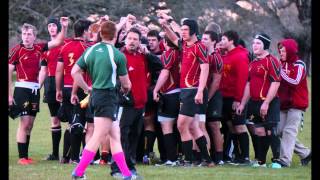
pixel 131 68
pixel 99 50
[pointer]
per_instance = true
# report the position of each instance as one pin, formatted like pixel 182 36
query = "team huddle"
pixel 122 86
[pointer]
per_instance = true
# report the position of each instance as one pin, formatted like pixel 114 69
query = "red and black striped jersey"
pixel 69 54
pixel 27 61
pixel 262 72
pixel 216 64
pixel 171 61
pixel 192 57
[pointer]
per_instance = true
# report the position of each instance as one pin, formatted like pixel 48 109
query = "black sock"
pixel 22 149
pixel 149 138
pixel 83 140
pixel 56 136
pixel 187 150
pixel 275 146
pixel 104 156
pixel 244 144
pixel 202 144
pixel 97 156
pixel 218 156
pixel 266 141
pixel 254 144
pixel 27 145
pixel 76 140
pixel 66 144
pixel 170 144
pixel 236 145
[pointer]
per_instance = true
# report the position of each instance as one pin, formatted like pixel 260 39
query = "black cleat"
pixel 305 161
pixel 52 157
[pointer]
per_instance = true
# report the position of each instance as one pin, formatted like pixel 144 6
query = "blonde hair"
pixel 27 26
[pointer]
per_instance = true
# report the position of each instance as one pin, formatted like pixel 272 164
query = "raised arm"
pixel 60 37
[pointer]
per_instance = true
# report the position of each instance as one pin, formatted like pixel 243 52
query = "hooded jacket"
pixel 293 90
pixel 235 73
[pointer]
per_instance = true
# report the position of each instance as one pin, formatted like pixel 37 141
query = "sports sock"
pixel 27 145
pixel 218 156
pixel 97 156
pixel 275 146
pixel 149 138
pixel 254 143
pixel 202 144
pixel 87 157
pixel 22 148
pixel 56 136
pixel 236 145
pixel 266 141
pixel 170 144
pixel 121 162
pixel 244 144
pixel 187 150
pixel 75 146
pixel 66 144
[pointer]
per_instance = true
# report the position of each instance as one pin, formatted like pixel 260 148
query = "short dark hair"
pixel 213 35
pixel 135 30
pixel 80 26
pixel 232 35
pixel 154 33
pixel 108 30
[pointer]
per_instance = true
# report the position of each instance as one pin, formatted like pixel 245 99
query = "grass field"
pixel 40 146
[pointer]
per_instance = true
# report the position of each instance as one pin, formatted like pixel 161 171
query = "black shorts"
pixel 27 101
pixel 229 114
pixel 68 107
pixel 53 108
pixel 151 106
pixel 169 106
pixel 104 103
pixel 272 118
pixel 49 94
pixel 214 109
pixel 89 113
pixel 188 106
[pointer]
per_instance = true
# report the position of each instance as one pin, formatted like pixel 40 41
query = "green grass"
pixel 40 146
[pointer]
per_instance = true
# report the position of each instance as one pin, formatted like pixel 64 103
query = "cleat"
pixel 146 160
pixel 24 161
pixel 133 177
pixel 31 161
pixel 305 161
pixel 255 164
pixel 206 164
pixel 220 163
pixel 275 165
pixel 102 162
pixel 117 175
pixel 64 160
pixel 75 177
pixel 51 157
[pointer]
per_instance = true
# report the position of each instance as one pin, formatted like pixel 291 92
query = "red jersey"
pixel 137 70
pixel 216 64
pixel 51 59
pixel 171 61
pixel 262 72
pixel 192 57
pixel 27 61
pixel 234 73
pixel 293 90
pixel 69 54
